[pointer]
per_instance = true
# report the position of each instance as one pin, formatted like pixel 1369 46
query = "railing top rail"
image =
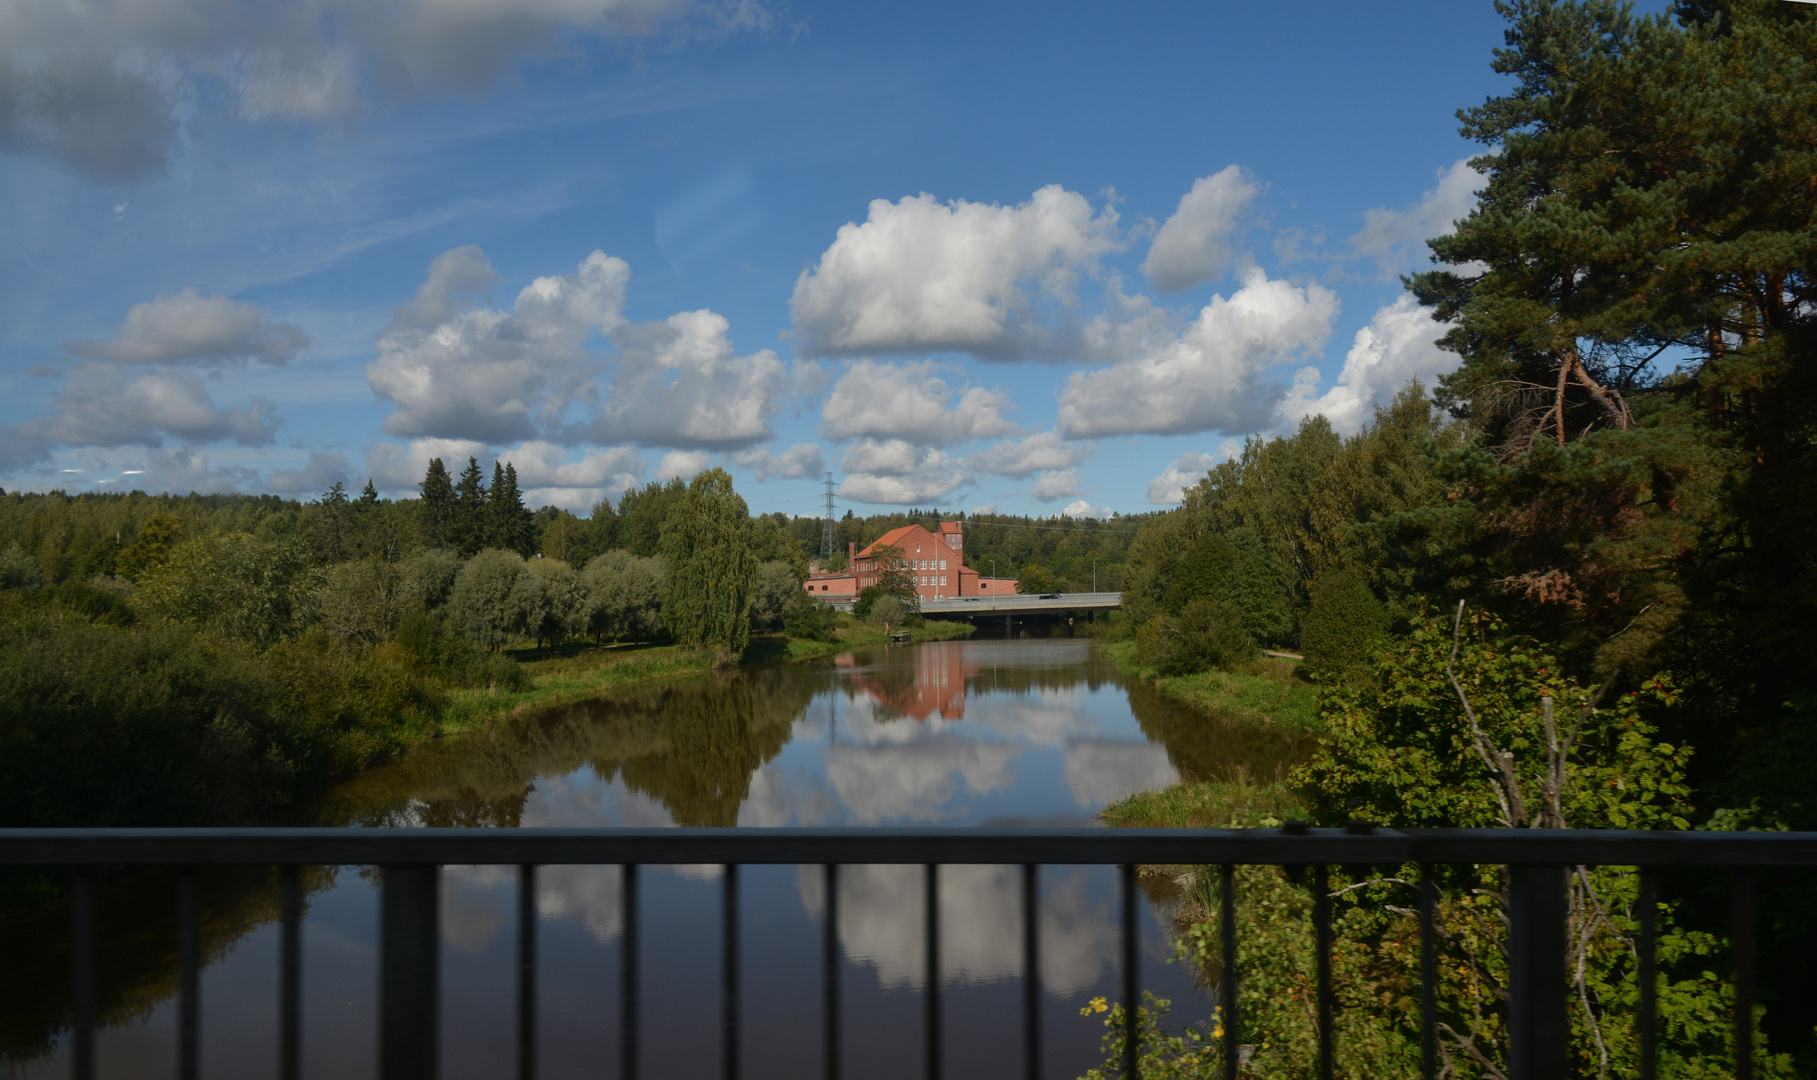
pixel 362 846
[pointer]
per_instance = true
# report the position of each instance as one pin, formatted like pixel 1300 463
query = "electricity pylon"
pixel 829 532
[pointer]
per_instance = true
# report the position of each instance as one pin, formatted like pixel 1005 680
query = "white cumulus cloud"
pixel 487 374
pixel 1193 246
pixel 798 461
pixel 1057 484
pixel 1042 451
pixel 551 475
pixel 400 469
pixel 1395 239
pixel 1211 376
pixel 324 469
pixel 1397 347
pixel 909 401
pixel 920 274
pixel 97 408
pixel 188 327
pixel 679 383
pixel 1186 470
pixel 683 464
pixel 1083 509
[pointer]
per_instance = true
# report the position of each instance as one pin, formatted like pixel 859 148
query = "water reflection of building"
pixel 918 682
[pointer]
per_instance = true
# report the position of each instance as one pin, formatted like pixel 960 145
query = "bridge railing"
pixel 411 859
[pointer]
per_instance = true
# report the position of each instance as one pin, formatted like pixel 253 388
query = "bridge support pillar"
pixel 409 938
pixel 1539 1028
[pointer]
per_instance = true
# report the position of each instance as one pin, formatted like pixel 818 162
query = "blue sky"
pixel 1046 258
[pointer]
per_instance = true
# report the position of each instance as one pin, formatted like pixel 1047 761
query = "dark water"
pixel 994 732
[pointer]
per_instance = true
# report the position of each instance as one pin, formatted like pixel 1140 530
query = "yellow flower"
pixel 1095 1005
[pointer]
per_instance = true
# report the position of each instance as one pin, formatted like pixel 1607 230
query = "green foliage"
pixel 246 588
pixel 889 609
pixel 1344 624
pixel 707 552
pixel 481 603
pixel 641 515
pixel 551 601
pixel 18 571
pixel 775 587
pixel 435 513
pixel 1033 581
pixel 468 531
pixel 867 598
pixel 1207 633
pixel 625 596
pixel 151 546
pixel 360 603
pixel 163 725
pixel 508 523
pixel 807 618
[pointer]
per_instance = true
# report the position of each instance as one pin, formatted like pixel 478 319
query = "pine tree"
pixel 369 496
pixel 507 522
pixel 468 534
pixel 334 522
pixel 437 507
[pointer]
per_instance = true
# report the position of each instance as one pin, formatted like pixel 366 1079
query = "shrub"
pixel 1208 633
pixel 867 597
pixel 776 587
pixel 808 618
pixel 624 595
pixel 1344 626
pixel 480 604
pixel 244 587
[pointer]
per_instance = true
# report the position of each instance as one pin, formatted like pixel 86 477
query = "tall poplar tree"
pixel 711 567
pixel 437 508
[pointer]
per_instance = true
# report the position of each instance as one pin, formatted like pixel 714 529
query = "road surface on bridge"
pixel 1020 604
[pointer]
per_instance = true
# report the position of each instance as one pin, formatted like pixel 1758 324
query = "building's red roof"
pixel 889 539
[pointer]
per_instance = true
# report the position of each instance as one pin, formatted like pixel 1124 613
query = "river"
pixel 1007 732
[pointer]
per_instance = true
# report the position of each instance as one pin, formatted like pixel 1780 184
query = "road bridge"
pixel 1019 606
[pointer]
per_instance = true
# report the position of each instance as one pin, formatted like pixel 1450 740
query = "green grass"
pixel 1269 691
pixel 1206 804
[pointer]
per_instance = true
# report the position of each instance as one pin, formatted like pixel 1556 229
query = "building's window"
pixel 943 564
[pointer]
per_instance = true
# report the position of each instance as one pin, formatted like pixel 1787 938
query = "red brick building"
pixel 934 559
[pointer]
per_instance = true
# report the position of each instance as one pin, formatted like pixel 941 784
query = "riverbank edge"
pixel 602 672
pixel 1209 804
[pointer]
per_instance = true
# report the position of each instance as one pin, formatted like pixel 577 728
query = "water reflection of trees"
pixel 136 961
pixel 692 746
pixel 1218 748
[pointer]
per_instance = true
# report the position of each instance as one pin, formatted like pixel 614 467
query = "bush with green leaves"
pixel 481 605
pixel 890 610
pixel 867 597
pixel 1344 625
pixel 551 601
pixel 776 585
pixel 624 596
pixel 248 588
pixel 1465 726
pixel 1206 633
pixel 18 571
pixel 810 619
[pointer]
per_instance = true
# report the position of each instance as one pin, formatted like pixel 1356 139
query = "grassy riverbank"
pixel 566 677
pixel 1270 691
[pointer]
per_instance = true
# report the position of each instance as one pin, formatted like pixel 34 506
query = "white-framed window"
pixel 943 564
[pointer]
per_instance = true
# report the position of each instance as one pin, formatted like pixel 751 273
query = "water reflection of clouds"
pixel 916 781
pixel 882 920
pixel 1099 771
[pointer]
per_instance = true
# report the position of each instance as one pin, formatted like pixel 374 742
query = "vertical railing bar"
pixel 933 971
pixel 1741 934
pixel 82 955
pixel 1649 974
pixel 627 996
pixel 830 958
pixel 1428 973
pixel 730 942
pixel 1227 994
pixel 290 974
pixel 189 975
pixel 1321 932
pixel 526 971
pixel 1132 1028
pixel 1031 970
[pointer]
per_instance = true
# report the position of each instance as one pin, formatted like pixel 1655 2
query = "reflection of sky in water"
pixel 972 732
pixel 923 736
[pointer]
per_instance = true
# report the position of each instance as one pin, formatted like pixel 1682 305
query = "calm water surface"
pixel 977 732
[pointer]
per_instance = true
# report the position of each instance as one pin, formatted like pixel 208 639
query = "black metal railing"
pixel 411 859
